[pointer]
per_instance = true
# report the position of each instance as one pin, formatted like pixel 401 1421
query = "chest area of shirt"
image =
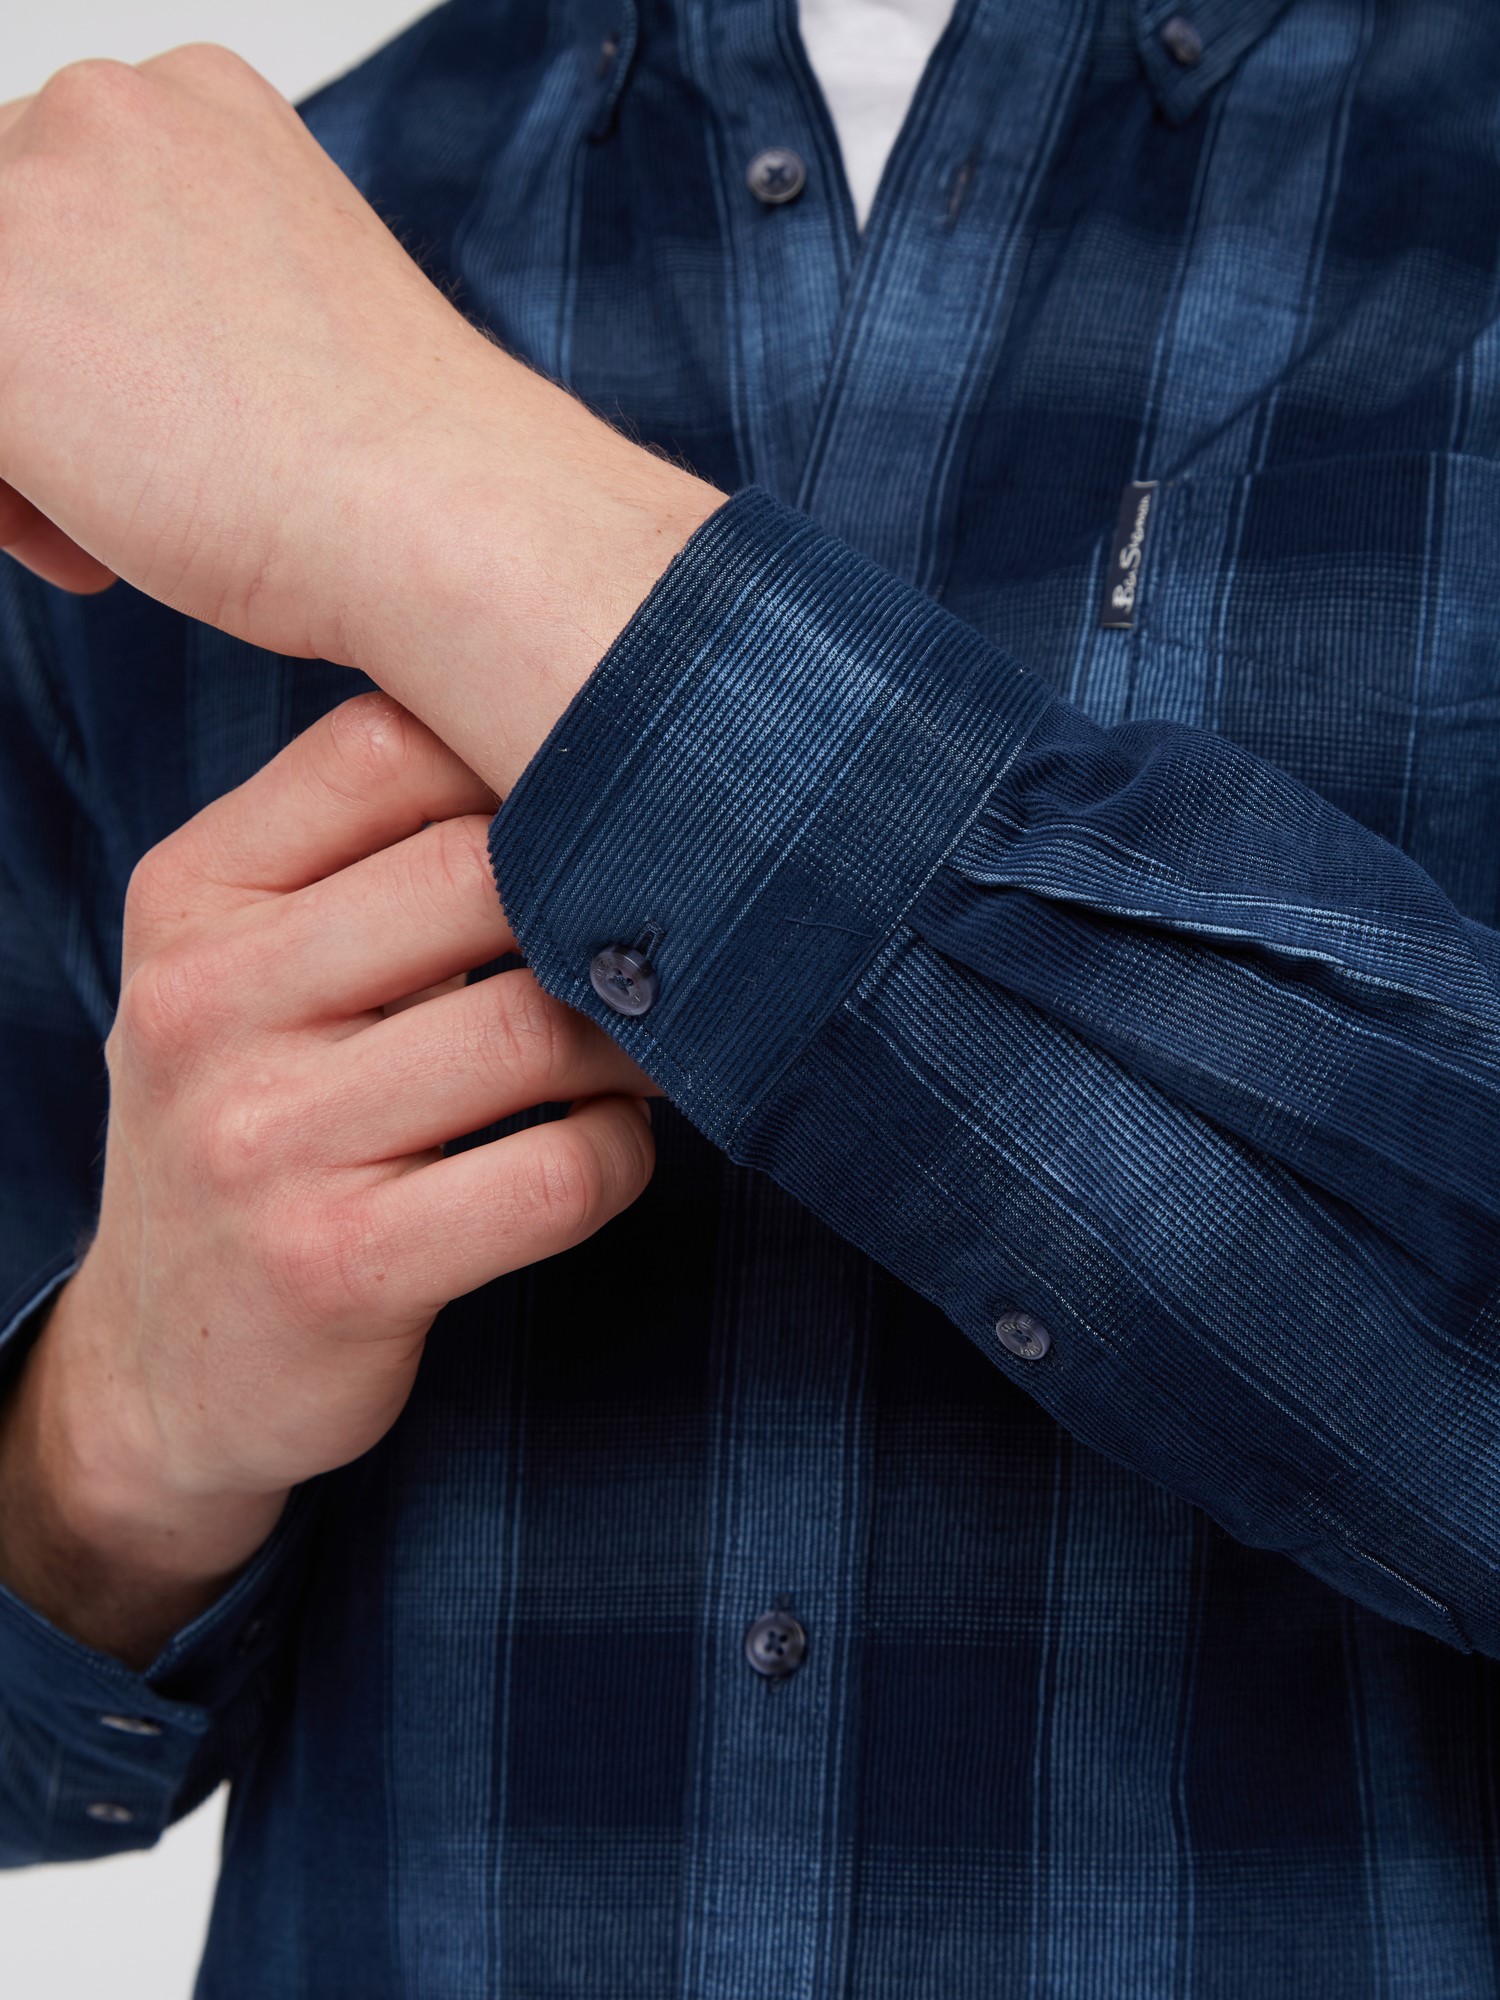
pixel 1278 307
pixel 1265 281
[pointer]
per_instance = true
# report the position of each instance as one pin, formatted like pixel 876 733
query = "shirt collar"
pixel 1228 30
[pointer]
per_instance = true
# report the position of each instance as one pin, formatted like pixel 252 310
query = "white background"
pixel 132 1928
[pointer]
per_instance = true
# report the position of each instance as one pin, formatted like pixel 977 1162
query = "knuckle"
pixel 457 857
pixel 92 84
pixel 639 1142
pixel 207 58
pixel 441 876
pixel 241 1140
pixel 343 1266
pixel 563 1187
pixel 521 1036
pixel 167 1006
pixel 628 1159
pixel 372 739
pixel 303 1257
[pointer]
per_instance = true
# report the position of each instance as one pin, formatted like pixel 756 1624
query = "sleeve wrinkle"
pixel 1122 1027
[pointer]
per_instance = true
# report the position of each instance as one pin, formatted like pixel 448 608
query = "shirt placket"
pixel 786 219
pixel 938 276
pixel 772 1798
pixel 851 358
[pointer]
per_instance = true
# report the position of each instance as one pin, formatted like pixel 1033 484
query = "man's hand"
pixel 278 1226
pixel 223 379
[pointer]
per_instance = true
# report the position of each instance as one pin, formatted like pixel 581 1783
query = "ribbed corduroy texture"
pixel 1142 979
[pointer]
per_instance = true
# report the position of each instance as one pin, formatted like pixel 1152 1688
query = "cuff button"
pixel 109 1814
pixel 1022 1335
pixel 623 975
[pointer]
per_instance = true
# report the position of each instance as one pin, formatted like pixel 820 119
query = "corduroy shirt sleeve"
pixel 1120 1029
pixel 96 1758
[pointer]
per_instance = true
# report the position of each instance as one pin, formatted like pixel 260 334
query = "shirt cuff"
pixel 754 785
pixel 107 1755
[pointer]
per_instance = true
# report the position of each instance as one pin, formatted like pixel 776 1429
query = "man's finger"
pixel 363 777
pixel 386 926
pixel 457 1064
pixel 451 1225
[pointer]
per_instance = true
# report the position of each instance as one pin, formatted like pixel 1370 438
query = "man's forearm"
pixel 408 499
pixel 489 600
pixel 88 1536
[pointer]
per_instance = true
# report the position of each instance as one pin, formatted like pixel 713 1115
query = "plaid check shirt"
pixel 1064 780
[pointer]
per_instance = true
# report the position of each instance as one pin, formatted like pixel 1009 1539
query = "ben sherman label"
pixel 1127 552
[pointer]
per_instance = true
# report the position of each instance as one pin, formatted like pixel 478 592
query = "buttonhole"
pixel 958 192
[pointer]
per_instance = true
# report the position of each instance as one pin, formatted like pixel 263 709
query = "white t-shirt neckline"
pixel 868 57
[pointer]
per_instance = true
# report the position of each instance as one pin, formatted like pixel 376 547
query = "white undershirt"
pixel 869 55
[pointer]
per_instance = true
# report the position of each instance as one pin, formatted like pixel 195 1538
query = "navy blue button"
pixel 1182 41
pixel 775 176
pixel 775 1645
pixel 624 978
pixel 1022 1335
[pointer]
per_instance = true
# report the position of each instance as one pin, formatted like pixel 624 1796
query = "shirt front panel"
pixel 1053 1725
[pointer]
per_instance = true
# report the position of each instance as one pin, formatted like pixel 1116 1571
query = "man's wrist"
pixel 503 555
pixel 94 1533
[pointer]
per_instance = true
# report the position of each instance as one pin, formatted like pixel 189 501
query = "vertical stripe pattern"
pixel 1141 979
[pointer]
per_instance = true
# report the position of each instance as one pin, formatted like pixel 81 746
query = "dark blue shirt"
pixel 1064 782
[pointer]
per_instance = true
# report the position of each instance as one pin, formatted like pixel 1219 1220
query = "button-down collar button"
pixel 1182 41
pixel 130 1725
pixel 624 978
pixel 775 1645
pixel 1022 1335
pixel 109 1814
pixel 776 175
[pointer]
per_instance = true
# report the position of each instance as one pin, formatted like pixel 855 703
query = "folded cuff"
pixel 756 782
